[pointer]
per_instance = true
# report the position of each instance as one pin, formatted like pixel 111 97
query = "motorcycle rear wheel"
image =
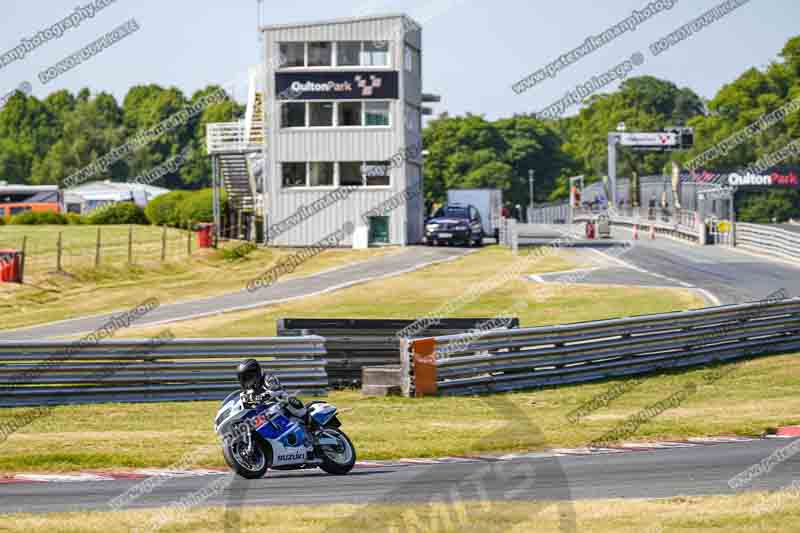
pixel 337 461
pixel 248 466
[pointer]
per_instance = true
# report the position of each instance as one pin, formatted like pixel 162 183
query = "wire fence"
pixel 71 249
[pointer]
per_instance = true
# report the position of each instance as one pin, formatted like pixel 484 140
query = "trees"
pixel 471 152
pixel 45 141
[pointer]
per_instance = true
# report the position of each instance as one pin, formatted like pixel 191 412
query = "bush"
pixel 121 213
pixel 2 221
pixel 38 218
pixel 163 210
pixel 196 206
pixel 182 209
pixel 75 219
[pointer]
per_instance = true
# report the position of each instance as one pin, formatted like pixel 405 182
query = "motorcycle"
pixel 263 434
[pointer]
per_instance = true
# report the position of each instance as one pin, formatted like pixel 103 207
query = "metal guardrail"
pixel 768 239
pixel 352 344
pixel 549 214
pixel 678 223
pixel 557 355
pixel 141 370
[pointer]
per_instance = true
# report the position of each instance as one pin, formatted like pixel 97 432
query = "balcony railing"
pixel 231 137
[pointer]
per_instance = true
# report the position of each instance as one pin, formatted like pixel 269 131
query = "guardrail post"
pixel 425 375
pixel 405 367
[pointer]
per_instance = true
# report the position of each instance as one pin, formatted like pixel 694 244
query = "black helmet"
pixel 249 374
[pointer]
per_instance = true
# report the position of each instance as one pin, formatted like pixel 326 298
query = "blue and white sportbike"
pixel 262 427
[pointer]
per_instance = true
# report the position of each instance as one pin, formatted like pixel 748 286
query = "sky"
pixel 473 50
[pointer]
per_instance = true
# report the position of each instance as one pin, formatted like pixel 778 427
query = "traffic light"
pixel 684 136
pixel 687 138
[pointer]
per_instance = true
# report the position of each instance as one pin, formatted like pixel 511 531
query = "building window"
pixel 293 54
pixel 377 113
pixel 294 174
pixel 409 60
pixel 293 115
pixel 377 173
pixel 320 114
pixel 348 53
pixel 320 54
pixel 349 113
pixel 350 174
pixel 321 174
pixel 375 54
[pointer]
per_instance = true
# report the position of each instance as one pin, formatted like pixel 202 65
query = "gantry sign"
pixel 665 141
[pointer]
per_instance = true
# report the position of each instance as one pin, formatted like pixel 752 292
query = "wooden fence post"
pixel 59 251
pixel 97 250
pixel 163 244
pixel 130 245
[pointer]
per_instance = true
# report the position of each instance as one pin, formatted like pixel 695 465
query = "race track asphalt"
pixel 730 276
pixel 662 473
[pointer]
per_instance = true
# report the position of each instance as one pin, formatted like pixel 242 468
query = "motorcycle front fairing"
pixel 287 437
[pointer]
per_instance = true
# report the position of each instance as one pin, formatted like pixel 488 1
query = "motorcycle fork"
pixel 248 439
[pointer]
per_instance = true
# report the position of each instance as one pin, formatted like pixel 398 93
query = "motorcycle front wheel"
pixel 338 459
pixel 249 465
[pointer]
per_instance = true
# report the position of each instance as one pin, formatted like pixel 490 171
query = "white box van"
pixel 489 203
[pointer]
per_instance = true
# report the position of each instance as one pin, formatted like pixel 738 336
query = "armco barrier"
pixel 769 240
pixel 352 344
pixel 556 355
pixel 63 372
pixel 676 223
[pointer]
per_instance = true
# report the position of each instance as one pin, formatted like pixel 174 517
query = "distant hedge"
pixel 182 209
pixel 38 218
pixel 163 210
pixel 119 213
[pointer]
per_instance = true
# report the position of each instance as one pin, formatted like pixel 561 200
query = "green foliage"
pixel 75 219
pixel 119 213
pixel 471 152
pixel 45 141
pixel 196 206
pixel 163 210
pixel 238 252
pixel 643 104
pixel 181 209
pixel 769 207
pixel 2 221
pixel 38 218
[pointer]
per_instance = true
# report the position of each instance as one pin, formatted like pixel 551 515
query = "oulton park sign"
pixel 776 179
pixel 337 85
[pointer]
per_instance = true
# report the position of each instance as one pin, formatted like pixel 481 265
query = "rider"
pixel 258 388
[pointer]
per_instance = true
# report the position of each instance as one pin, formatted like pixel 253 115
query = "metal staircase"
pixel 236 152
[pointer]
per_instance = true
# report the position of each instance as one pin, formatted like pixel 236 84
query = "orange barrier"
pixel 423 354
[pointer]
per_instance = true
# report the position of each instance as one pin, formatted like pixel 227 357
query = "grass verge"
pixel 114 436
pixel 59 296
pixel 751 512
pixel 757 394
pixel 434 289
